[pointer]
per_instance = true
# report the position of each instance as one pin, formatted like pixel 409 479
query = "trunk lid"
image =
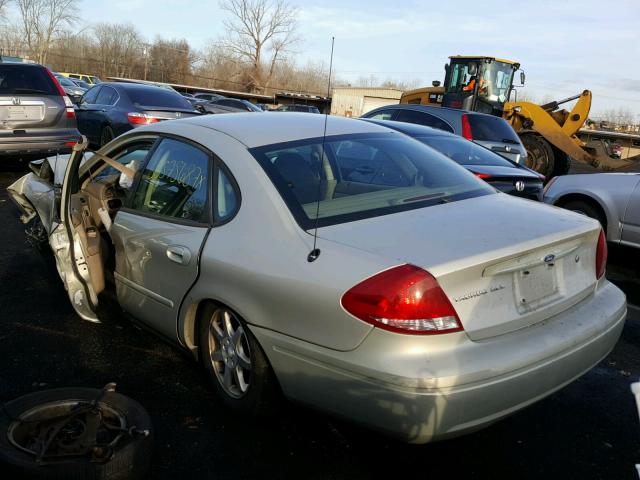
pixel 503 262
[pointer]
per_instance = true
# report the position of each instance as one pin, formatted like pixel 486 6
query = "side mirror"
pixel 522 77
pixel 446 67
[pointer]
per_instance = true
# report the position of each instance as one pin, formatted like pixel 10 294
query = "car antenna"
pixel 315 252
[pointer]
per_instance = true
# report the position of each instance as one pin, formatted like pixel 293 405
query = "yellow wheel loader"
pixel 549 134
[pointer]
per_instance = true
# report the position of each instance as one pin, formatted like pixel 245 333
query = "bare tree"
pixel 118 48
pixel 3 5
pixel 260 32
pixel 42 20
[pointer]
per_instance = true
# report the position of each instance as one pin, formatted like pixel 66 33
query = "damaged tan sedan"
pixel 428 304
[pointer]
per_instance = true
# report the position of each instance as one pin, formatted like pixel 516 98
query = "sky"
pixel 564 46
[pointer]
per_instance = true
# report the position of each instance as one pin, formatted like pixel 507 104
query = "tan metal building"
pixel 356 101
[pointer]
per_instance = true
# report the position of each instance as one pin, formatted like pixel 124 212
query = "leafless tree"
pixel 3 5
pixel 259 32
pixel 42 20
pixel 119 48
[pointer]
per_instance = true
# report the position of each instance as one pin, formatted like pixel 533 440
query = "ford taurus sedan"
pixel 359 272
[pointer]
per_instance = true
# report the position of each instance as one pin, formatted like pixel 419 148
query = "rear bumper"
pixel 38 145
pixel 430 388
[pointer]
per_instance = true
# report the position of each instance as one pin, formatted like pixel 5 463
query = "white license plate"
pixel 536 285
pixel 23 112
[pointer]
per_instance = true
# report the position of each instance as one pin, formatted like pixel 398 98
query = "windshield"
pixel 496 81
pixel 363 175
pixel 465 152
pixel 65 82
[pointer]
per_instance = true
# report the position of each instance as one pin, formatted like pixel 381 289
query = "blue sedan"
pixel 110 109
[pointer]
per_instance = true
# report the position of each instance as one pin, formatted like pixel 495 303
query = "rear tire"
pixel 540 156
pixel 586 208
pixel 106 136
pixel 232 357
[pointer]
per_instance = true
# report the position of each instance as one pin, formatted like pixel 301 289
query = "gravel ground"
pixel 587 430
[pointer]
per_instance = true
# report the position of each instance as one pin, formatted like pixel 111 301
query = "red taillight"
pixel 136 118
pixel 483 176
pixel 70 144
pixel 56 83
pixel 466 127
pixel 601 255
pixel 404 299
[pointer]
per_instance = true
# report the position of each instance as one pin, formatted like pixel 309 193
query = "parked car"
pixel 297 108
pixel 430 306
pixel 110 109
pixel 36 115
pixel 487 130
pixel 73 91
pixel 208 96
pixel 499 172
pixel 611 198
pixel 229 105
pixel 90 79
pixel 81 83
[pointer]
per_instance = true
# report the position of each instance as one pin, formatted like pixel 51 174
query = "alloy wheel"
pixel 229 353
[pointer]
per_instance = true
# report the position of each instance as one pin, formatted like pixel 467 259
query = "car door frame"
pixel 214 164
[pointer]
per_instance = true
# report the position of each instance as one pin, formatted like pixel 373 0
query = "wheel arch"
pixel 590 200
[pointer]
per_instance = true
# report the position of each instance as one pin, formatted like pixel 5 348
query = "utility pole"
pixel 145 52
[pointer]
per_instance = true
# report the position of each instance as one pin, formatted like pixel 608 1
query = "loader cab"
pixel 479 84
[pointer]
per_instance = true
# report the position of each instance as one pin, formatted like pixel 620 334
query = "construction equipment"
pixel 549 134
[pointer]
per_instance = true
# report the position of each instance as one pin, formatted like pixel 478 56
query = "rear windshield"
pixel 65 82
pixel 492 129
pixel 25 80
pixel 157 97
pixel 363 175
pixel 465 152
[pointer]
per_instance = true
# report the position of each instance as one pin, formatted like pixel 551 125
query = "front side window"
pixel 91 96
pixel 174 183
pixel 355 176
pixel 131 156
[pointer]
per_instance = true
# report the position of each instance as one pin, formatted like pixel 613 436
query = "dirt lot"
pixel 590 429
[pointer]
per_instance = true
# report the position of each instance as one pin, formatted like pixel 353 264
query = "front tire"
pixel 540 156
pixel 237 366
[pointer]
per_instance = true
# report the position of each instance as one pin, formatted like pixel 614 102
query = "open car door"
pixel 75 242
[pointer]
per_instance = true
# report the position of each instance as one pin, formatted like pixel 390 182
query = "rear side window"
pixel 107 96
pixel 422 118
pixel 491 129
pixel 157 97
pixel 175 182
pixel 25 80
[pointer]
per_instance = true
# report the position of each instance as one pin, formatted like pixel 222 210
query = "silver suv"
pixel 37 118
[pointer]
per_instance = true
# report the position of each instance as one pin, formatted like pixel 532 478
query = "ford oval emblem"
pixel 549 258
